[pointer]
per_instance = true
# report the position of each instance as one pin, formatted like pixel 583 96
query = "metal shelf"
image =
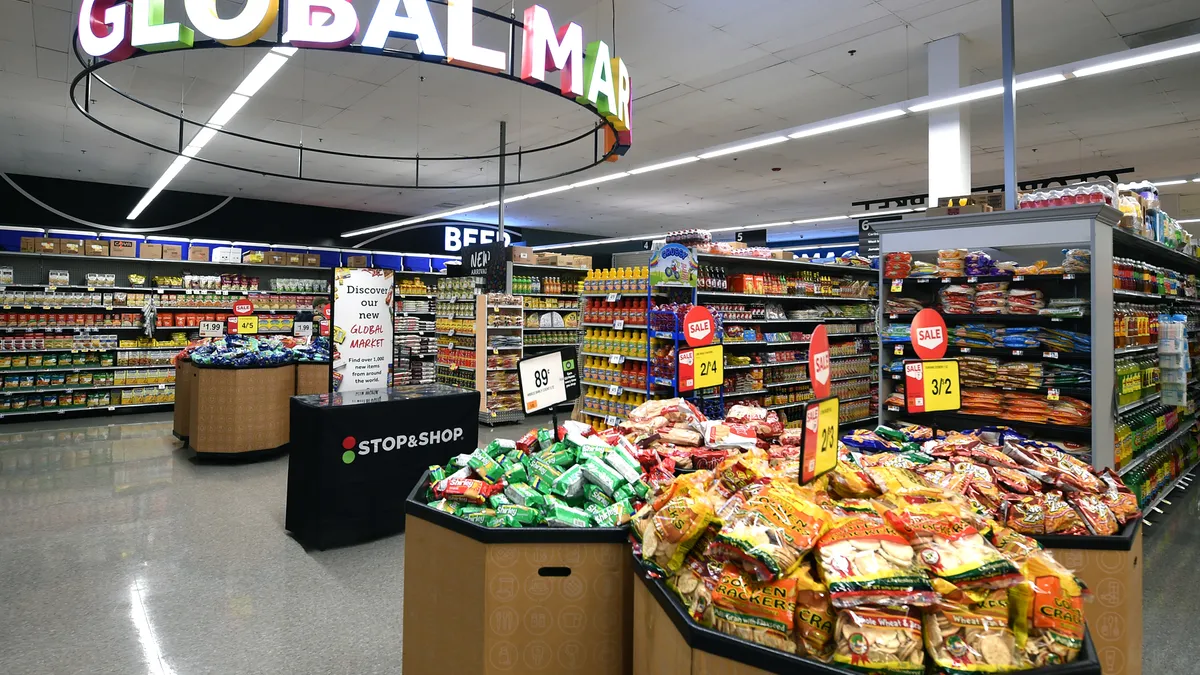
pixel 764 296
pixel 556 268
pixel 824 319
pixel 556 344
pixel 801 264
pixel 1166 491
pixel 1136 349
pixel 607 356
pixel 628 326
pixel 1121 410
pixel 997 277
pixel 62 256
pixel 563 328
pixel 60 410
pixel 546 295
pixel 1181 429
pixel 84 387
pixel 72 329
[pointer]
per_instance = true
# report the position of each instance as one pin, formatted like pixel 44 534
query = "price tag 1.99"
pixel 616 359
pixel 1052 395
pixel 820 439
pixel 212 329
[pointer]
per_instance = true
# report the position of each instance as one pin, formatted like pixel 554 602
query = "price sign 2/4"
pixel 820 439
pixel 931 386
pixel 701 367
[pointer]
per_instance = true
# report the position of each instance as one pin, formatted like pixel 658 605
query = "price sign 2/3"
pixel 820 439
pixel 932 386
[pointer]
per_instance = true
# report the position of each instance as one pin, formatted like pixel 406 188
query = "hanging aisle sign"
pixel 114 31
pixel 362 329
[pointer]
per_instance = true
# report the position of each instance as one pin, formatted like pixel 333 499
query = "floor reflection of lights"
pixel 155 663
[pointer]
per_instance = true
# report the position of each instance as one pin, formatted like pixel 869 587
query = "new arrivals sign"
pixel 114 29
pixel 362 328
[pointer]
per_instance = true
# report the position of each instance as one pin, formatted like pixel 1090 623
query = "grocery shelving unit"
pixel 455 330
pixel 414 338
pixel 541 303
pixel 1025 236
pixel 498 404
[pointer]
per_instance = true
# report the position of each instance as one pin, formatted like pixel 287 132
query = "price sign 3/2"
pixel 931 386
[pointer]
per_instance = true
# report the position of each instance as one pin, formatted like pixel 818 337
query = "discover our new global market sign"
pixel 114 30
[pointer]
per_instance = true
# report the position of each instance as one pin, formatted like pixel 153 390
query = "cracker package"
pixel 762 612
pixel 665 535
pixel 883 639
pixel 952 548
pixel 770 528
pixel 970 632
pixel 1047 612
pixel 865 560
pixel 814 615
pixel 697 579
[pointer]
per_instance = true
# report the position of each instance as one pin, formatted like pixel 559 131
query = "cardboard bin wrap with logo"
pixel 355 456
pixel 667 640
pixel 517 601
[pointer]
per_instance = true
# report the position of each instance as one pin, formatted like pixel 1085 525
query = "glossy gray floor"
pixel 118 555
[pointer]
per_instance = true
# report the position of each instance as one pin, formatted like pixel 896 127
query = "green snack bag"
pixel 457 462
pixel 443 505
pixel 545 439
pixel 436 473
pixel 593 509
pixel 561 515
pixel 590 452
pixel 640 488
pixel 501 520
pixel 541 469
pixel 602 475
pixel 525 515
pixel 890 433
pixel 515 473
pixel 481 517
pixel 624 463
pixel 615 515
pixel 575 439
pixel 500 446
pixel 498 500
pixel 488 469
pixel 625 492
pixel 524 495
pixel 569 486
pixel 594 495
pixel 542 485
pixel 559 455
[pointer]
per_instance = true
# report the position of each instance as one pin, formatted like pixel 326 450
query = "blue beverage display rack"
pixel 655 317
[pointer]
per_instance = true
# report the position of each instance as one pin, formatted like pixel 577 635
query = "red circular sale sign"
pixel 243 307
pixel 818 363
pixel 928 336
pixel 699 328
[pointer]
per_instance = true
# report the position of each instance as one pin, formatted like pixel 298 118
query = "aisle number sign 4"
pixel 115 29
pixel 820 439
pixel 932 386
pixel 701 368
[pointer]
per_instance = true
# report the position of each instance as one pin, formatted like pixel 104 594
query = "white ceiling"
pixel 705 72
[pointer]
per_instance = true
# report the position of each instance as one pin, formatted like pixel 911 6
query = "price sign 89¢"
pixel 820 439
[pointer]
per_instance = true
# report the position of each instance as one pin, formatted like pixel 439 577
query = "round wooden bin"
pixel 240 410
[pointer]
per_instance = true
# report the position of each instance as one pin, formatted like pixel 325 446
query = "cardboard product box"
pixel 30 244
pixel 782 255
pixel 172 251
pixel 298 259
pixel 312 260
pixel 122 248
pixel 46 245
pixel 356 261
pixel 522 254
pixel 197 253
pixel 70 246
pixel 581 261
pixel 254 258
pixel 151 251
pixel 227 254
pixel 546 259
pixel 957 210
pixel 97 248
pixel 275 258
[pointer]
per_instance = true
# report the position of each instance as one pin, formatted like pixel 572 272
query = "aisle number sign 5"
pixel 115 29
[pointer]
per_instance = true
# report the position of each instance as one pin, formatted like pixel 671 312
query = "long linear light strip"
pixel 763 226
pixel 254 80
pixel 1134 57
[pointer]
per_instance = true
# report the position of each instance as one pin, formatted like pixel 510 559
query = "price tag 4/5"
pixel 820 439
pixel 897 285
pixel 1051 394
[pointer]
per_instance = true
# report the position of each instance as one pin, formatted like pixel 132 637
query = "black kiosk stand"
pixel 355 456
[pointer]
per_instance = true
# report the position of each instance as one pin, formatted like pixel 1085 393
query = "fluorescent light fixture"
pixel 250 243
pixel 1151 56
pixel 182 240
pixel 1164 183
pixel 956 99
pixel 220 242
pixel 227 110
pixel 745 146
pixel 158 186
pixel 111 235
pixel 1188 220
pixel 286 51
pixel 549 191
pixel 264 71
pixel 203 136
pixel 413 221
pixel 858 121
pixel 322 248
pixel 1034 82
pixel 82 233
pixel 822 219
pixel 664 165
pixel 518 198
pixel 1196 180
pixel 601 179
pixel 18 228
pixel 750 227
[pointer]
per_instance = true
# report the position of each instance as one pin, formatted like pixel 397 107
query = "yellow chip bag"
pixel 1047 611
pixel 814 616
pixel 762 612
pixel 769 528
pixel 969 632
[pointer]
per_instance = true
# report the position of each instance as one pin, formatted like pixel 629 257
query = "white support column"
pixel 949 127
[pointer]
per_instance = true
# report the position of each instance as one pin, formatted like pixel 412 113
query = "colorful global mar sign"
pixel 114 30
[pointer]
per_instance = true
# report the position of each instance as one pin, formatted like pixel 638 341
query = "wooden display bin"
pixel 1111 567
pixel 312 378
pixel 555 601
pixel 185 383
pixel 240 410
pixel 666 640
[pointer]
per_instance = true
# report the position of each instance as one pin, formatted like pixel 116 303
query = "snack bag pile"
pixel 580 481
pixel 883 565
pixel 242 351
